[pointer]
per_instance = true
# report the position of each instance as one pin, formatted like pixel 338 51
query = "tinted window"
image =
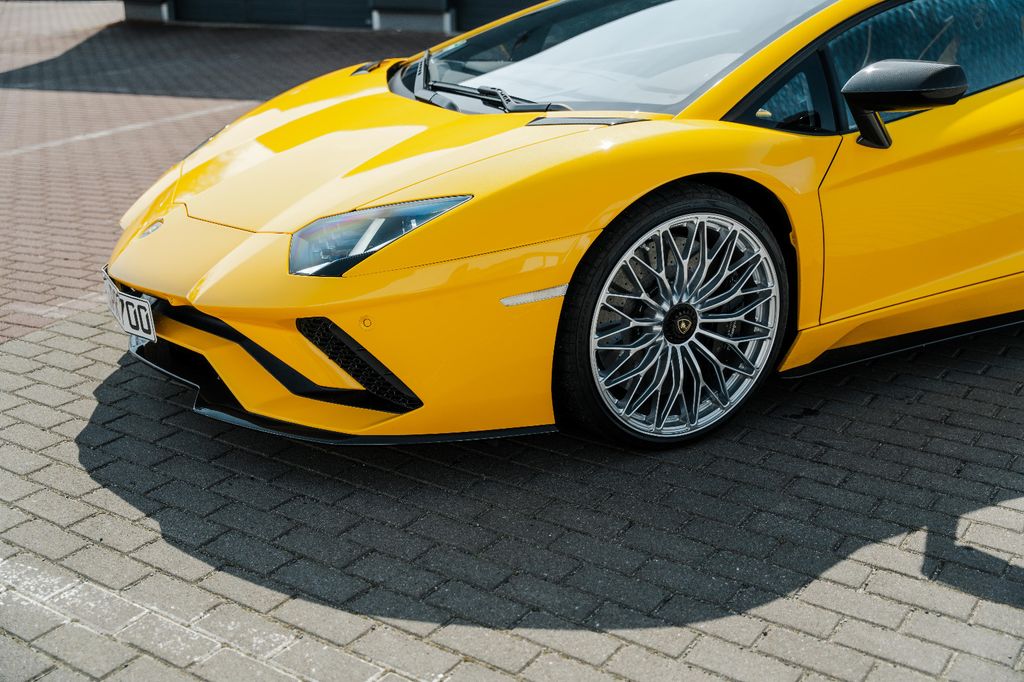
pixel 801 103
pixel 650 55
pixel 985 37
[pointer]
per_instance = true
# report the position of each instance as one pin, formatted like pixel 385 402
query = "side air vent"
pixel 357 362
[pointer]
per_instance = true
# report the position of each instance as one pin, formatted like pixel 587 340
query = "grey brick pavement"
pixel 864 525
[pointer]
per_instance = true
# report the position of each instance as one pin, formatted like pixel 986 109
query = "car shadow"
pixel 203 62
pixel 815 474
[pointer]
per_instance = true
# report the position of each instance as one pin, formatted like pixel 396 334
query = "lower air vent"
pixel 357 362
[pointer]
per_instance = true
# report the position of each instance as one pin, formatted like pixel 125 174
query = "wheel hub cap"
pixel 681 324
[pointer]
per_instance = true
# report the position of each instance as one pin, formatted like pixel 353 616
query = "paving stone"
pixel 324 547
pixel 490 646
pixel 28 436
pixel 248 552
pixel 187 529
pixel 397 650
pixel 887 672
pixel 63 675
pixel 642 629
pixel 320 581
pixel 395 574
pixel 892 646
pixel 970 669
pixel 10 517
pixel 815 654
pixel 741 664
pixel 44 538
pixel 114 531
pixel 244 588
pixel 231 666
pixel 18 460
pixel 18 663
pixel 635 663
pixel 26 618
pixel 324 621
pixel 253 634
pixel 107 567
pixel 146 669
pixel 399 610
pixel 185 565
pixel 550 631
pixel 35 577
pixel 917 592
pixel 852 603
pixel 167 640
pixel 56 508
pixel 973 639
pixel 469 602
pixel 1000 617
pixel 792 613
pixel 123 503
pixel 100 609
pixel 181 494
pixel 464 567
pixel 91 653
pixel 735 627
pixel 13 487
pixel 555 668
pixel 465 672
pixel 172 597
pixel 311 659
pixel 251 520
pixel 560 600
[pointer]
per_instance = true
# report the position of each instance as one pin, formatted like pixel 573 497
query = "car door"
pixel 943 209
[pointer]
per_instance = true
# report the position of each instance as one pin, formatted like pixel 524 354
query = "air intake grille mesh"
pixel 357 362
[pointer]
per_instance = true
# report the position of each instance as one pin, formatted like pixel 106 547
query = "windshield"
pixel 649 55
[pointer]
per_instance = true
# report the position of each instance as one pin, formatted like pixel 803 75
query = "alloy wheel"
pixel 685 325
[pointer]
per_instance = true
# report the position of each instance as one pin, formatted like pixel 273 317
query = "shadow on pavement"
pixel 214 63
pixel 590 536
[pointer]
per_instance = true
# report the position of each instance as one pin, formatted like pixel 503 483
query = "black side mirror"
pixel 900 85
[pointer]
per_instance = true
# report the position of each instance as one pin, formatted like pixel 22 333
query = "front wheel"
pixel 676 315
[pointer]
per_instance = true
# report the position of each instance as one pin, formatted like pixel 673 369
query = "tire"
pixel 655 350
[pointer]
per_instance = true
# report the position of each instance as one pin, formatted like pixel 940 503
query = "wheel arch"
pixel 758 198
pixel 766 204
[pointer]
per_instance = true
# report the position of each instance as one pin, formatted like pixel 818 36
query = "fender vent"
pixel 357 362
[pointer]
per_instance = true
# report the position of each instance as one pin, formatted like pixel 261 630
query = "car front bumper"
pixel 422 353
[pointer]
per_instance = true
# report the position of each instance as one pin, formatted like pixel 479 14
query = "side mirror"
pixel 900 85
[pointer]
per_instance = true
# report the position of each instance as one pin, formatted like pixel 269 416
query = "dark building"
pixel 449 16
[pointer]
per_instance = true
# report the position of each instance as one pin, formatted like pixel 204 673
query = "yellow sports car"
pixel 618 215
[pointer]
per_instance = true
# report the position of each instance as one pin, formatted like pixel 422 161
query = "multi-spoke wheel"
pixel 681 317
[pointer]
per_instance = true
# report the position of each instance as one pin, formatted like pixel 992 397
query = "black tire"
pixel 579 404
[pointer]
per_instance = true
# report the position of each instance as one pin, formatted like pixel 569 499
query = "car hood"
pixel 336 144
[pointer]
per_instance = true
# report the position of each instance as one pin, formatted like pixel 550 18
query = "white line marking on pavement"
pixel 121 129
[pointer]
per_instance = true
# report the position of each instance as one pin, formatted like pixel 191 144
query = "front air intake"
pixel 357 362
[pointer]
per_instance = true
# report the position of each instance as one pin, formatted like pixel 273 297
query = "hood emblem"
pixel 151 229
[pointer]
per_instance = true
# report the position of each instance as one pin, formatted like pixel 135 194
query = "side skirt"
pixel 851 355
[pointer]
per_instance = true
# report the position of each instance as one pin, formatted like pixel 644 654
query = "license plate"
pixel 134 314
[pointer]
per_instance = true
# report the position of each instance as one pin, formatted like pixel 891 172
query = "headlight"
pixel 330 246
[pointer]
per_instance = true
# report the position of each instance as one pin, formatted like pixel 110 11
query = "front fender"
pixel 579 184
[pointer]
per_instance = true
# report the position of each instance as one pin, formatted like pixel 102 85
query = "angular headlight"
pixel 330 246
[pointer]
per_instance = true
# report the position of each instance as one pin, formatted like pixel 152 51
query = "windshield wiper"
pixel 424 89
pixel 427 90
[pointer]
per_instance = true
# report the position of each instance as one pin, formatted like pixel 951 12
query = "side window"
pixel 800 103
pixel 985 37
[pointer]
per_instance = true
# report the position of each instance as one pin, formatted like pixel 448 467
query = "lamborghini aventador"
pixel 615 216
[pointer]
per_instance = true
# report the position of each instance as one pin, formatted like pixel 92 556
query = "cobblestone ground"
pixel 868 524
